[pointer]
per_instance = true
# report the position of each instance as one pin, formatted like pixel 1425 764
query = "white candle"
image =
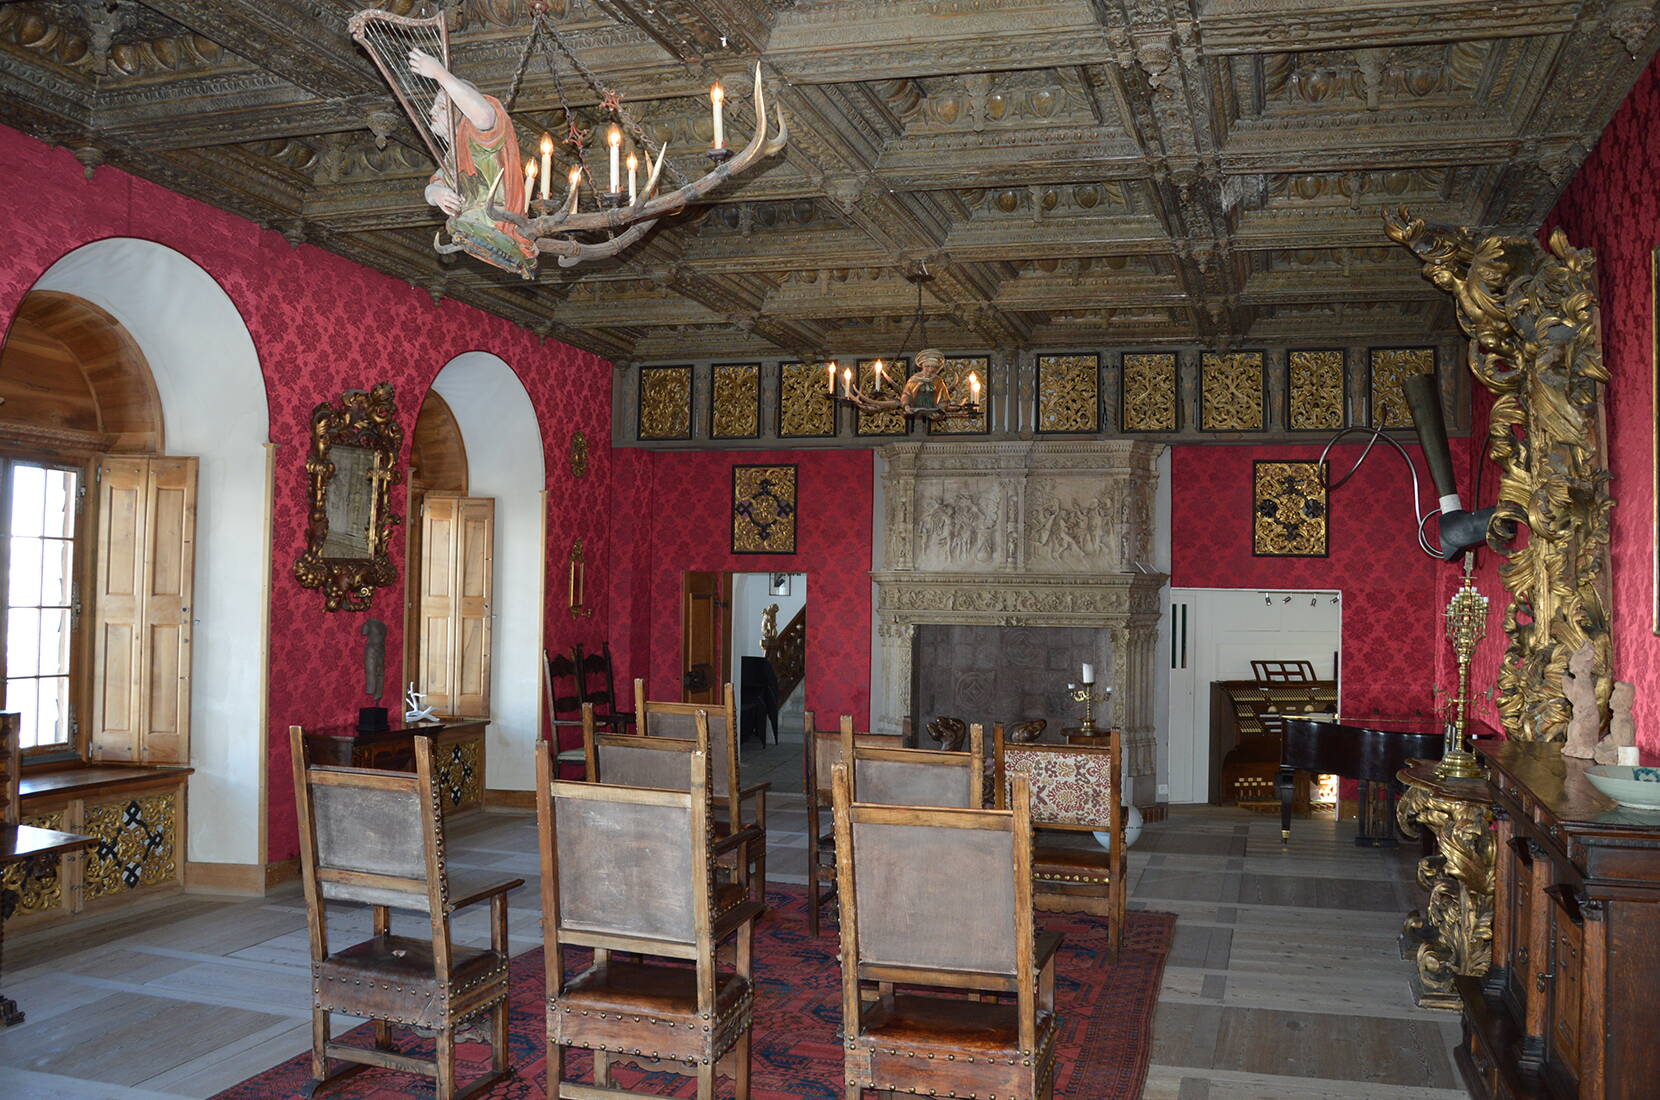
pixel 530 177
pixel 1089 674
pixel 716 95
pixel 614 139
pixel 847 381
pixel 576 179
pixel 974 385
pixel 547 163
pixel 633 165
pixel 830 369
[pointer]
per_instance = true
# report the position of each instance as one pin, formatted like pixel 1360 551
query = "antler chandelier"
pixel 924 395
pixel 495 214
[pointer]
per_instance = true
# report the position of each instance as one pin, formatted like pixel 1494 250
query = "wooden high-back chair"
pixel 11 766
pixel 632 868
pixel 562 693
pixel 738 809
pixel 377 838
pixel 1077 788
pixel 900 868
pixel 917 777
pixel 596 684
pixel 822 751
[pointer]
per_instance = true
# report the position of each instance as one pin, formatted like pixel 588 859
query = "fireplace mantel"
pixel 1026 533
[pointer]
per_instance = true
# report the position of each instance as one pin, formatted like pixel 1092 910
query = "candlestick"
pixel 1085 693
pixel 716 95
pixel 547 163
pixel 613 138
pixel 633 164
pixel 1466 626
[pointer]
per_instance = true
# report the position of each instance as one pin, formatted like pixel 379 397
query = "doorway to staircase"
pixel 768 669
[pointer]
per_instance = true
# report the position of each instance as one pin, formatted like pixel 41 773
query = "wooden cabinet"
pixel 136 815
pixel 1567 1010
pixel 457 755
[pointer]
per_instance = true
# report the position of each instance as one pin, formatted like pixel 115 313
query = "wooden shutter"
pixel 457 565
pixel 143 592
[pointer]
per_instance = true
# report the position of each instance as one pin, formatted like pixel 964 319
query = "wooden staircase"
pixel 787 653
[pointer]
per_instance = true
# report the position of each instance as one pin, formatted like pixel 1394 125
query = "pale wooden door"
pixel 705 621
pixel 455 603
pixel 142 596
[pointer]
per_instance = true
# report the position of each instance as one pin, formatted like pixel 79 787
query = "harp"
pixel 387 39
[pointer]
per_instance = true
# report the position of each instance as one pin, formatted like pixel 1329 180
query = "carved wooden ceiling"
pixel 1105 172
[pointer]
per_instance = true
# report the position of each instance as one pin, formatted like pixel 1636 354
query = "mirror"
pixel 353 465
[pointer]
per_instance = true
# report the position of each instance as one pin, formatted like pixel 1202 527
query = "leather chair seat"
pixel 397 974
pixel 1065 863
pixel 903 1021
pixel 657 990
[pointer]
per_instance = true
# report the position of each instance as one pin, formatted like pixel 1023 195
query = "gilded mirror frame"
pixel 367 423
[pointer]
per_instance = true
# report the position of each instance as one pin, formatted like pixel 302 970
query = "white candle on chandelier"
pixel 576 177
pixel 830 369
pixel 530 176
pixel 974 385
pixel 847 381
pixel 613 138
pixel 716 95
pixel 1089 674
pixel 633 166
pixel 547 163
pixel 881 375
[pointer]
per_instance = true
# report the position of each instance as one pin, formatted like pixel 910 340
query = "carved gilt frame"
pixel 366 422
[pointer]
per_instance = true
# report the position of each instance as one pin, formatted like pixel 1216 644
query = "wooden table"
pixel 31 847
pixel 457 754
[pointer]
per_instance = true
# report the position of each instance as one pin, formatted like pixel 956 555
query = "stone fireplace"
pixel 1022 537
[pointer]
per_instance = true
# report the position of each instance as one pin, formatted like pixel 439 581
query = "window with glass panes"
pixel 38 512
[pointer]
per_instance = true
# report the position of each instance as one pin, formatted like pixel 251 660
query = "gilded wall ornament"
pixel 1068 393
pixel 1536 342
pixel 458 775
pixel 1388 367
pixel 735 401
pixel 137 844
pixel 665 403
pixel 1290 513
pixel 805 410
pixel 1314 390
pixel 1147 393
pixel 763 509
pixel 955 375
pixel 38 888
pixel 1233 392
pixel 352 465
pixel 579 455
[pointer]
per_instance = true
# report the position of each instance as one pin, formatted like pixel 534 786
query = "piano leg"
pixel 1285 782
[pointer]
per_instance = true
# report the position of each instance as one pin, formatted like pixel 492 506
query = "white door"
pixel 1215 635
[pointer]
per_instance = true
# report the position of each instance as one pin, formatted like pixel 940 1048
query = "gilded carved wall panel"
pixel 805 410
pixel 1289 514
pixel 1314 390
pixel 1389 367
pixel 735 401
pixel 42 890
pixel 763 509
pixel 1233 392
pixel 1068 393
pixel 137 843
pixel 891 421
pixel 460 775
pixel 1148 394
pixel 955 375
pixel 665 403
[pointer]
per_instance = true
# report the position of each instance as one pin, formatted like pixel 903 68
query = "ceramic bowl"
pixel 1636 787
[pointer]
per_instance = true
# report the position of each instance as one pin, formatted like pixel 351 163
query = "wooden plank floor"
pixel 1284 982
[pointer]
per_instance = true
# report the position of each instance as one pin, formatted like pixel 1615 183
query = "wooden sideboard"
pixel 1568 1009
pixel 136 817
pixel 457 754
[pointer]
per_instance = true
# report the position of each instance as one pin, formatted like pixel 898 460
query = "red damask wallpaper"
pixel 320 325
pixel 1392 636
pixel 673 513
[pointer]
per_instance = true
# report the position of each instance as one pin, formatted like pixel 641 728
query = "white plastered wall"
pixel 213 407
pixel 505 461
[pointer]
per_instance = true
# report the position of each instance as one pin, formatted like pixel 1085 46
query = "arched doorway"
pixel 211 392
pixel 502 443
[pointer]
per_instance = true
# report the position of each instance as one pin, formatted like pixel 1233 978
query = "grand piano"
pixel 1372 752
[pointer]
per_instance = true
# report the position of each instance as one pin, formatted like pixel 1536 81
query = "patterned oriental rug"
pixel 1106 1019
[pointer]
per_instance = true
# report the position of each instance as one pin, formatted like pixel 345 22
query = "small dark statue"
pixel 374 657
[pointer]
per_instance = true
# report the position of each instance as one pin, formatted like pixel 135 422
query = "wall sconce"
pixel 578 583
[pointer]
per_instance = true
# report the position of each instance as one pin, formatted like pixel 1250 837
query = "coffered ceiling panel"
pixel 1072 172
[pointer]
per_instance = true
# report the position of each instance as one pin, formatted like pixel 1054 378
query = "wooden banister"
pixel 787 653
